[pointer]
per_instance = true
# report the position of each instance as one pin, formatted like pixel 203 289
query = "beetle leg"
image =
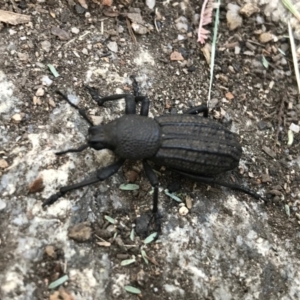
pixel 79 149
pixel 154 182
pixel 144 106
pixel 143 99
pixel 130 107
pixel 101 175
pixel 198 109
pixel 211 180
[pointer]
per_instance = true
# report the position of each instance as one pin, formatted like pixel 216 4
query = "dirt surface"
pixel 229 245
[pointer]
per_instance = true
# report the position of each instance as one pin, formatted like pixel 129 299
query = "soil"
pixel 254 93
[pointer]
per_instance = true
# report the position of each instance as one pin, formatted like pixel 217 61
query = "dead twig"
pixel 130 31
pixel 279 119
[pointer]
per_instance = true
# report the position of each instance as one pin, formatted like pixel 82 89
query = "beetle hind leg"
pixel 211 180
pixel 144 223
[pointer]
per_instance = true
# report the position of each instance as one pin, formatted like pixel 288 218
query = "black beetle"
pixel 196 147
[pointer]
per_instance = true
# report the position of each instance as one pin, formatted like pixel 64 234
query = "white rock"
pixel 234 20
pixel 295 128
pixel 2 205
pixel 40 92
pixel 183 210
pixel 85 51
pixel 46 80
pixel 181 24
pixel 75 30
pixel 46 46
pixel 17 118
pixel 113 46
pixel 150 3
pixel 139 29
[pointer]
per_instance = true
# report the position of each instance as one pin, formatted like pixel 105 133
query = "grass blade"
pixel 213 51
pixel 294 54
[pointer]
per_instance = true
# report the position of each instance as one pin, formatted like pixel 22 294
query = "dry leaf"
pixel 107 2
pixel 64 294
pixel 176 56
pixel 104 244
pixel 13 18
pixel 37 185
pixel 229 96
pixel 3 164
pixel 54 296
pixel 109 12
pixel 61 294
pixel 206 50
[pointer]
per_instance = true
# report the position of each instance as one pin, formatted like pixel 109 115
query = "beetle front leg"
pixel 130 106
pixel 101 175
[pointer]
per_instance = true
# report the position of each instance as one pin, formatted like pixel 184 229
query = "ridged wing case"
pixel 196 145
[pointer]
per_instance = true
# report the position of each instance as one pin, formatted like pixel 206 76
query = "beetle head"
pixel 102 137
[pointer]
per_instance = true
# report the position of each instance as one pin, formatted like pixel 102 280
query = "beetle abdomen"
pixel 196 145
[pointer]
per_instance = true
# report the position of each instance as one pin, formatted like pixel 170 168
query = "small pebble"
pixel 2 205
pixel 249 9
pixel 50 251
pixel 113 46
pixel 262 125
pixel 46 80
pixel 295 128
pixel 183 210
pixel 3 164
pixel 51 102
pixel 265 178
pixel 141 275
pixel 17 118
pixel 176 56
pixel 46 46
pixel 188 202
pixel 266 37
pixel 269 151
pixel 182 24
pixel 85 51
pixel 79 9
pixel 40 92
pixel 23 56
pixel 80 232
pixel 36 100
pixel 150 3
pixel 75 30
pixel 234 20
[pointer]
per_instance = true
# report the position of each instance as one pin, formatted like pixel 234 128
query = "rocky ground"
pixel 216 244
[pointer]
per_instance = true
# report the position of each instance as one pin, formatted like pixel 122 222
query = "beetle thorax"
pixel 137 137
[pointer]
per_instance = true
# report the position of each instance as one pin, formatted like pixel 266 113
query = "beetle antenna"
pixel 81 111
